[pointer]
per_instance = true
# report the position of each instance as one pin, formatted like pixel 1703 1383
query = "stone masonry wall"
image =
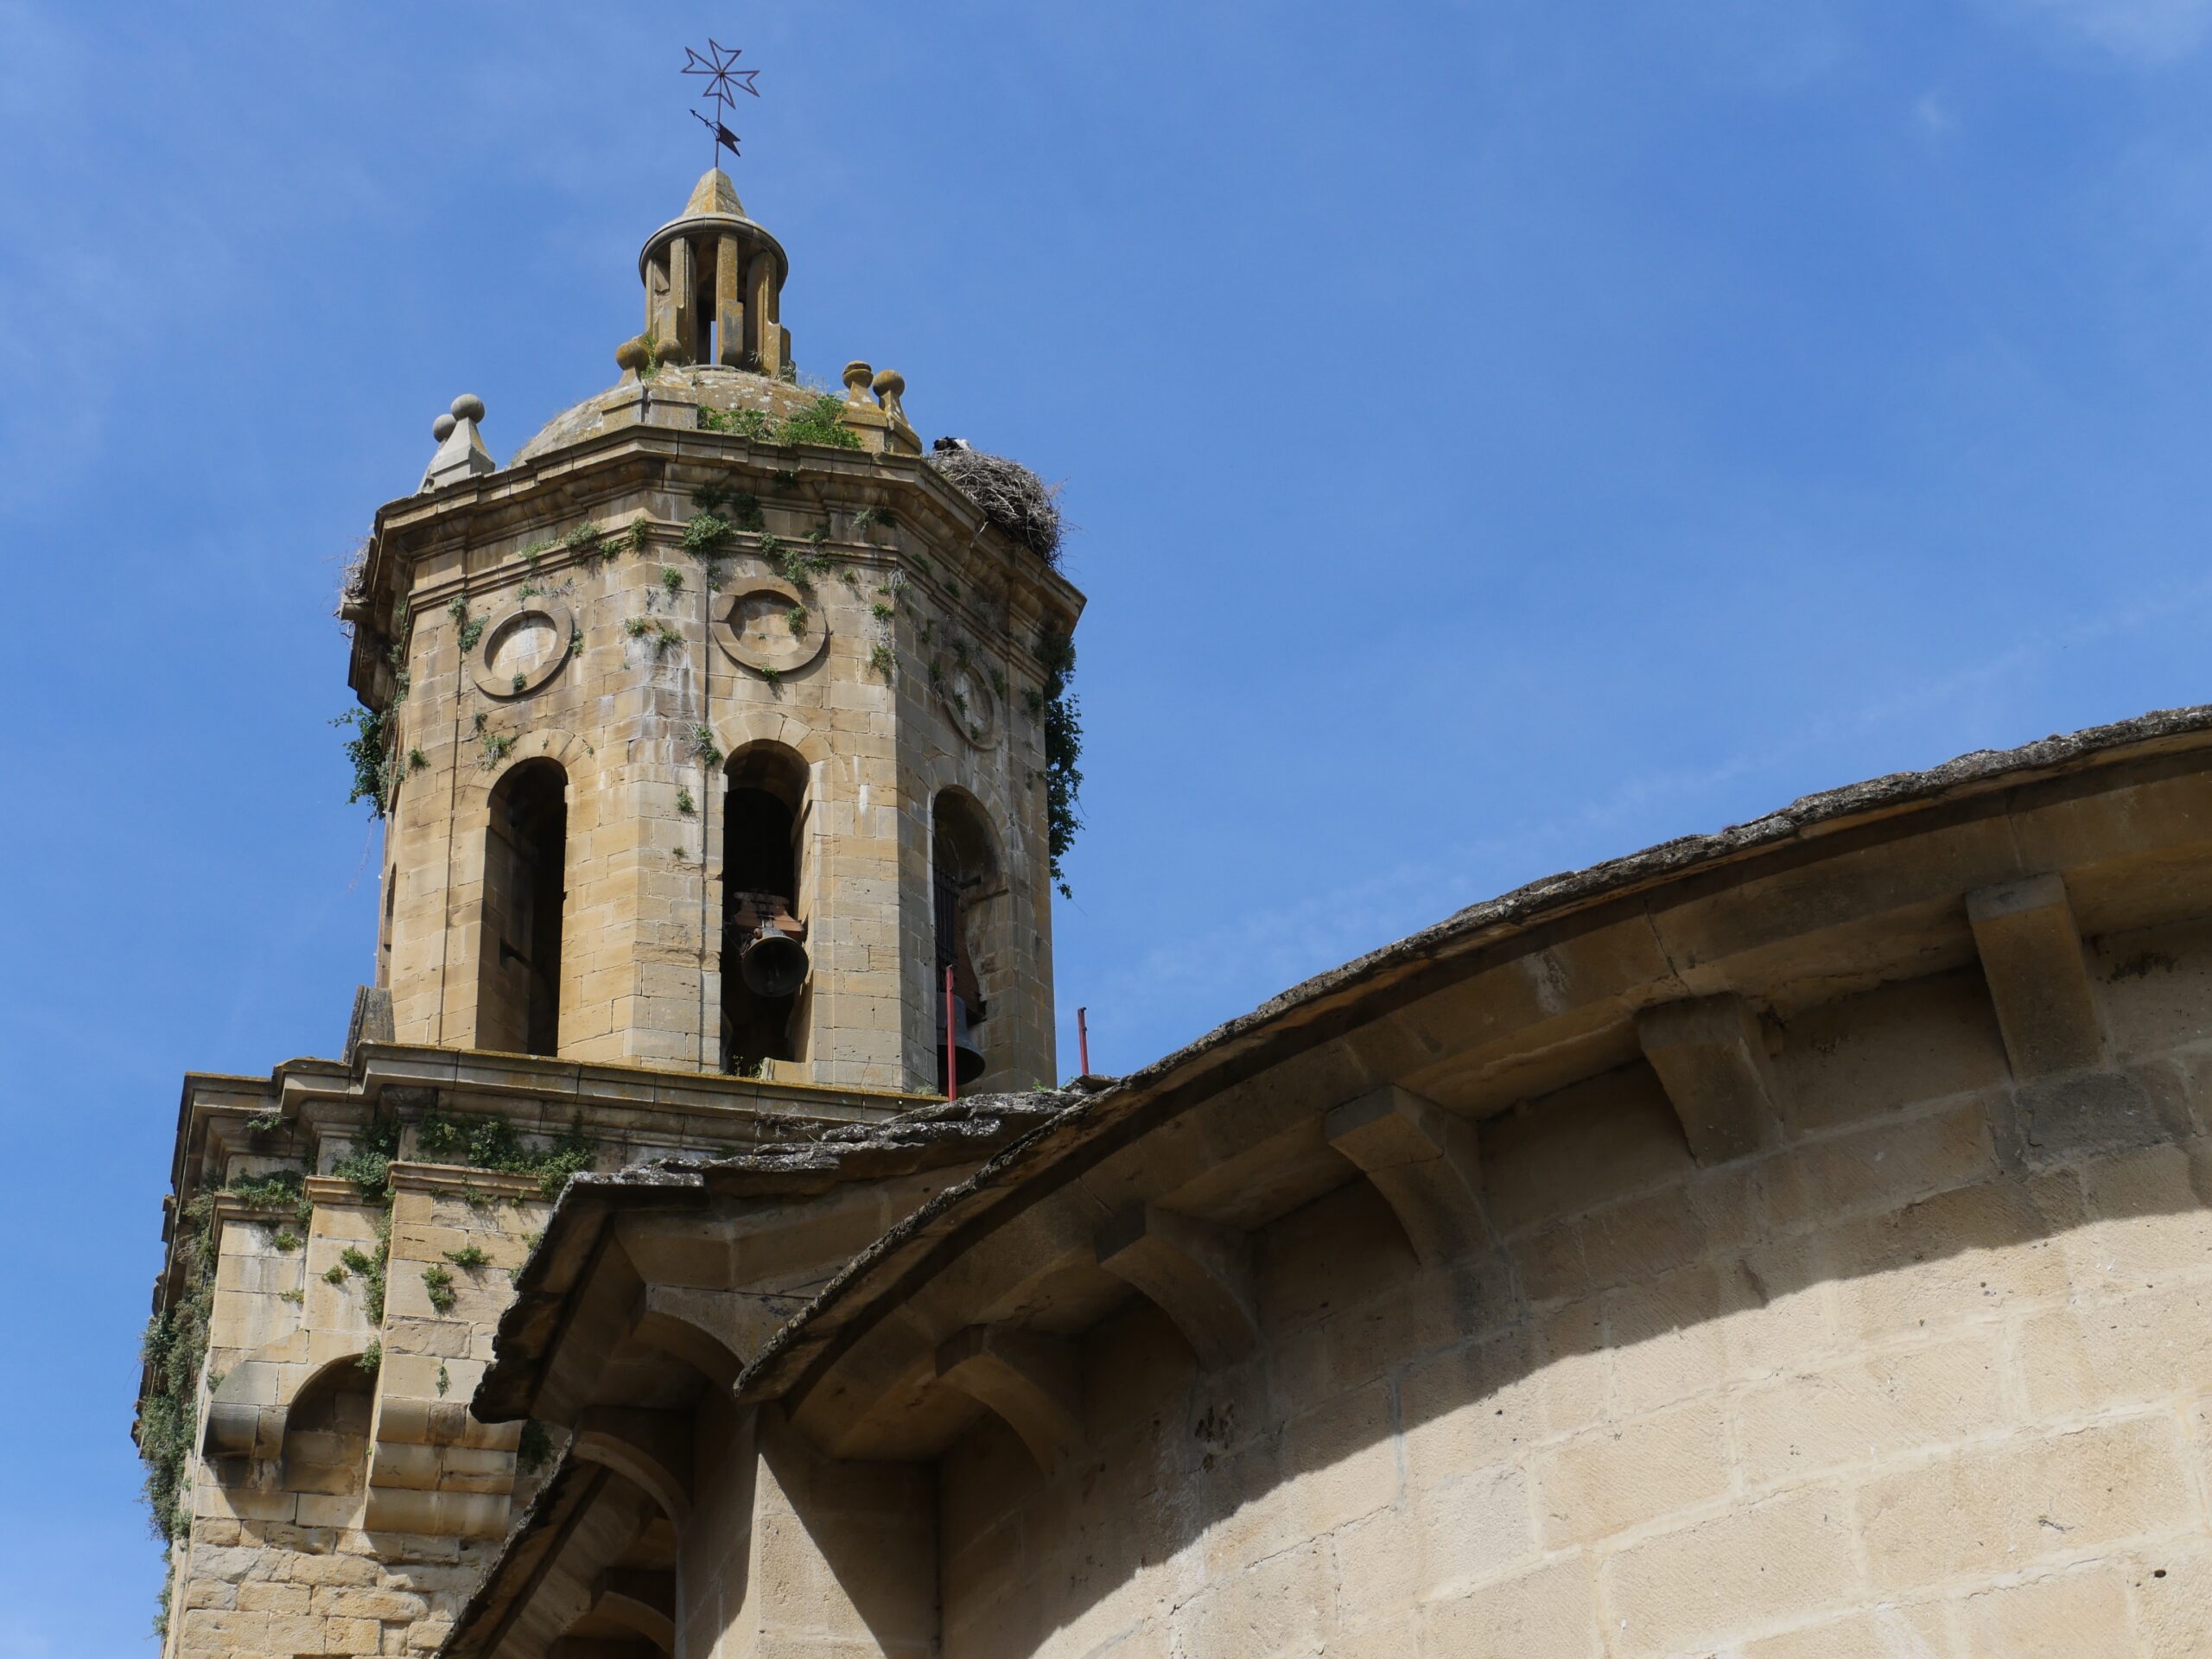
pixel 344 1508
pixel 624 670
pixel 366 1544
pixel 1930 1380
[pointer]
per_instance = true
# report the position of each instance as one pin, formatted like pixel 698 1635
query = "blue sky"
pixel 1504 436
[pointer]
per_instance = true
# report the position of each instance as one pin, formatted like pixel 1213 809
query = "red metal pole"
pixel 1083 1039
pixel 952 1059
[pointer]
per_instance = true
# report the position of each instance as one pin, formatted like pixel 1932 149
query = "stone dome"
pixel 711 386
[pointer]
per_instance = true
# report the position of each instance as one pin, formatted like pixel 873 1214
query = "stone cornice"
pixel 625 458
pixel 448 1181
pixel 942 1133
pixel 1302 1021
pixel 315 1098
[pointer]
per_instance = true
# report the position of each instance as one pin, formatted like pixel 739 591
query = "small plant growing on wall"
pixel 470 627
pixel 438 1281
pixel 816 424
pixel 1061 717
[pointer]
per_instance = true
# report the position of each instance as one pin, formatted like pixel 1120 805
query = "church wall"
pixel 1932 1377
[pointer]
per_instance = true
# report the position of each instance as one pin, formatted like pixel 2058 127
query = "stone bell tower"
pixel 709 730
pixel 710 737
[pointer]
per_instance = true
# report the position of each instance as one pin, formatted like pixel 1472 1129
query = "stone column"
pixel 768 339
pixel 730 302
pixel 683 321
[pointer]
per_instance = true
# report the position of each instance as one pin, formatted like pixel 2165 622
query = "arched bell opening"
pixel 525 851
pixel 765 964
pixel 968 891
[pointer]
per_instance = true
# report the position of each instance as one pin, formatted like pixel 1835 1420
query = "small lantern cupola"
pixel 714 280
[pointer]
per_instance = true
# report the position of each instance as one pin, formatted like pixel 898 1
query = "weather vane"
pixel 722 76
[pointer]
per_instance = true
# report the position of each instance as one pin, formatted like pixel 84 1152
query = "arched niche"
pixel 326 1448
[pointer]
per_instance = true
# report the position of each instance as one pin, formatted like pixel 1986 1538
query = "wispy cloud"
pixel 1933 113
pixel 2142 31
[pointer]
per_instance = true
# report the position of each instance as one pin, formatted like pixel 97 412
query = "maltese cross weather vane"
pixel 722 76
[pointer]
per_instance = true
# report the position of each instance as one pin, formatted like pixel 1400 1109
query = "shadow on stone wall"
pixel 1984 1274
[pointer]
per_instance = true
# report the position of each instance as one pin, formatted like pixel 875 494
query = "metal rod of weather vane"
pixel 951 1058
pixel 1083 1039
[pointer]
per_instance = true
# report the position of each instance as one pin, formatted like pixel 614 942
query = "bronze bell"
pixel 775 963
pixel 964 1049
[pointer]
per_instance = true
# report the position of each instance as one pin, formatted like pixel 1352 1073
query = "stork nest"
pixel 353 580
pixel 1011 497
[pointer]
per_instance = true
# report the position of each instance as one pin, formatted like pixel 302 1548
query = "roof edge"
pixel 791 1353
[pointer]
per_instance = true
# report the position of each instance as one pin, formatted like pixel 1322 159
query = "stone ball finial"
pixel 468 407
pixel 633 354
pixel 890 386
pixel 441 428
pixel 855 376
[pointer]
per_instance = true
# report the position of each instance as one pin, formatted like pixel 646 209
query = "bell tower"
pixel 709 730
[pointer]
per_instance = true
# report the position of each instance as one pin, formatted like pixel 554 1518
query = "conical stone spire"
pixel 714 194
pixel 714 283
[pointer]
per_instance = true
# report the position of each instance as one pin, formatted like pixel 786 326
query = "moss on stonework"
pixel 1056 708
pixel 174 1348
pixel 372 750
pixel 492 1142
pixel 369 1165
pixel 820 421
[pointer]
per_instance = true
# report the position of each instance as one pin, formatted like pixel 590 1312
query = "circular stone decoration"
pixel 969 702
pixel 523 647
pixel 769 626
